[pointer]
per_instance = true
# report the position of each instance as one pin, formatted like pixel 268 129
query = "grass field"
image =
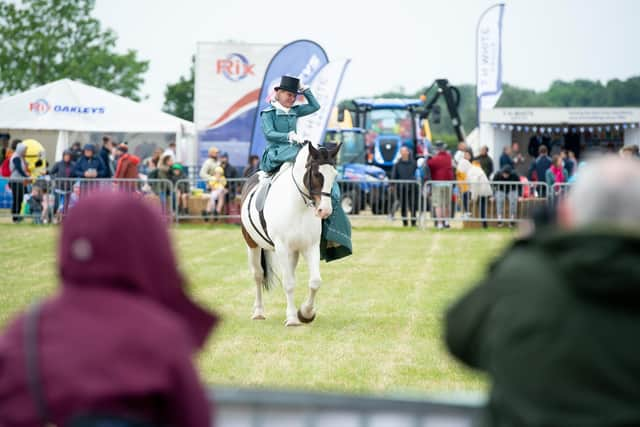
pixel 379 312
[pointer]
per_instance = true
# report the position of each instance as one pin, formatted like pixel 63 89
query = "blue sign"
pixel 302 59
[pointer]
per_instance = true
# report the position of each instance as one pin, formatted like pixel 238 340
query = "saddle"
pixel 265 185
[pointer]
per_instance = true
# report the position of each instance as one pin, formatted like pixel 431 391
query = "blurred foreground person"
pixel 116 342
pixel 556 321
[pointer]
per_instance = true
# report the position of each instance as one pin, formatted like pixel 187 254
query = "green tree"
pixel 178 97
pixel 46 40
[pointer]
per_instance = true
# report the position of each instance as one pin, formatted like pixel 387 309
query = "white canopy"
pixel 66 105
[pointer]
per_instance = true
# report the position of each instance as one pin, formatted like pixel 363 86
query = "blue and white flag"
pixel 325 88
pixel 302 59
pixel 489 57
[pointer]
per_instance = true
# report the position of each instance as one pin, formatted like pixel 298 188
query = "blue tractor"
pixel 361 184
pixel 389 124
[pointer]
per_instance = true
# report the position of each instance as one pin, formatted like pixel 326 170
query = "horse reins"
pixel 308 198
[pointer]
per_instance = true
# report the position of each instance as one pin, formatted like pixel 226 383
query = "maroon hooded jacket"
pixel 120 335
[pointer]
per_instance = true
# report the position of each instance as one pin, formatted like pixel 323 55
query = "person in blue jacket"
pixel 89 165
pixel 279 124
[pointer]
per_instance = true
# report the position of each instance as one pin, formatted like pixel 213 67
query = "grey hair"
pixel 607 192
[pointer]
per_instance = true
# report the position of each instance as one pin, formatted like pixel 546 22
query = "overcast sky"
pixel 392 43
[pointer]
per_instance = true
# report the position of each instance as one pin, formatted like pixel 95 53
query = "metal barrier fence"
pixel 412 202
pixel 49 200
pixel 496 202
pixel 266 408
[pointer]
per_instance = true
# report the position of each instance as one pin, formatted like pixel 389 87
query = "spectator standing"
pixel 519 162
pixel 230 173
pixel 405 169
pixel 503 190
pixel 563 305
pixel 181 184
pixel 171 151
pixel 105 155
pixel 76 151
pixel 506 158
pixel 62 173
pixel 209 166
pixel 120 336
pixel 89 166
pixel 486 162
pixel 441 169
pixel 151 162
pixel 18 167
pixel 252 167
pixel 34 204
pixel 161 174
pixel 538 169
pixel 479 187
pixel 4 146
pixel 556 174
pixel 127 168
pixel 459 154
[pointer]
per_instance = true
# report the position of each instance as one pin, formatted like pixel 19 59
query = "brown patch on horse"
pixel 248 186
pixel 250 242
pixel 246 189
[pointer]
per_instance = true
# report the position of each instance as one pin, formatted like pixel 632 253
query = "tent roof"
pixel 73 106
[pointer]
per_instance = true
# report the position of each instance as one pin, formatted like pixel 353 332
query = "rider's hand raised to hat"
pixel 302 87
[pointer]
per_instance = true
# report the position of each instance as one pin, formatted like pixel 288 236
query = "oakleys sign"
pixel 42 106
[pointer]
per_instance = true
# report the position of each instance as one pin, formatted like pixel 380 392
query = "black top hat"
pixel 288 83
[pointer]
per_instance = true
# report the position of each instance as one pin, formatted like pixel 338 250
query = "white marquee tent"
pixel 67 106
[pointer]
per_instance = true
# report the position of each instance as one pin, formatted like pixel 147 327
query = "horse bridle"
pixel 308 198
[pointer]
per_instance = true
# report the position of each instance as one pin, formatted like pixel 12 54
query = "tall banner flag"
pixel 489 57
pixel 302 59
pixel 325 88
pixel 228 78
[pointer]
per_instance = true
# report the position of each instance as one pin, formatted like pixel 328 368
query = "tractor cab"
pixel 388 125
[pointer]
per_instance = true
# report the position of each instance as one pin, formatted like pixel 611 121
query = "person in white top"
pixel 479 186
pixel 459 155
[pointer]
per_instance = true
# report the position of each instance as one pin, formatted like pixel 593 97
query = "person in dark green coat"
pixel 279 124
pixel 555 324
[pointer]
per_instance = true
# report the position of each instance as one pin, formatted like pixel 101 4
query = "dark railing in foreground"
pixel 266 408
pixel 410 201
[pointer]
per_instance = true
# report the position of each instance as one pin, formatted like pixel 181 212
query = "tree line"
pixel 45 40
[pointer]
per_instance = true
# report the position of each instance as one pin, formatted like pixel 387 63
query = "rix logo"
pixel 235 67
pixel 39 106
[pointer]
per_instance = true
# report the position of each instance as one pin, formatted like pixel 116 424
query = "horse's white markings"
pixel 295 230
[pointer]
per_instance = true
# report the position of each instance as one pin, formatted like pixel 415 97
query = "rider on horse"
pixel 279 124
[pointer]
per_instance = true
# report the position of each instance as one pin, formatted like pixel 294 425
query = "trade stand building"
pixel 586 131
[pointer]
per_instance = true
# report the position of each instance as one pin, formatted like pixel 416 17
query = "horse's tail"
pixel 270 277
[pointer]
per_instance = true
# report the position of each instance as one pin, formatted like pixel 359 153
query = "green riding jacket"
pixel 276 125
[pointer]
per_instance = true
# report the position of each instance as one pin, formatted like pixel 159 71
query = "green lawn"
pixel 379 312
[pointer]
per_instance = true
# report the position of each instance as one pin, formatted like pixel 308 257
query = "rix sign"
pixel 235 67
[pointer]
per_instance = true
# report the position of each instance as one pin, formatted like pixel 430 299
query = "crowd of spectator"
pixel 470 181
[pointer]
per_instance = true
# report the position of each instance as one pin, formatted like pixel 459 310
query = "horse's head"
pixel 320 175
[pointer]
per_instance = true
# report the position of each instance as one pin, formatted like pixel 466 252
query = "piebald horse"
pixel 290 224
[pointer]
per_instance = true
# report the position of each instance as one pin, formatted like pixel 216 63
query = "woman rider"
pixel 279 122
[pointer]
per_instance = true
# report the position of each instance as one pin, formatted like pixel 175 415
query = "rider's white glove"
pixel 302 87
pixel 295 138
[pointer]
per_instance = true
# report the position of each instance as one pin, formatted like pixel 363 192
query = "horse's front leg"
pixel 307 311
pixel 288 261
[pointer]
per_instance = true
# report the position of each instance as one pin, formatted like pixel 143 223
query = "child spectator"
pixel 217 186
pixel 34 204
pixel 179 180
pixel 556 174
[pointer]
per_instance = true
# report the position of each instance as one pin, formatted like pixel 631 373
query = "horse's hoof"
pixel 258 316
pixel 305 319
pixel 292 322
